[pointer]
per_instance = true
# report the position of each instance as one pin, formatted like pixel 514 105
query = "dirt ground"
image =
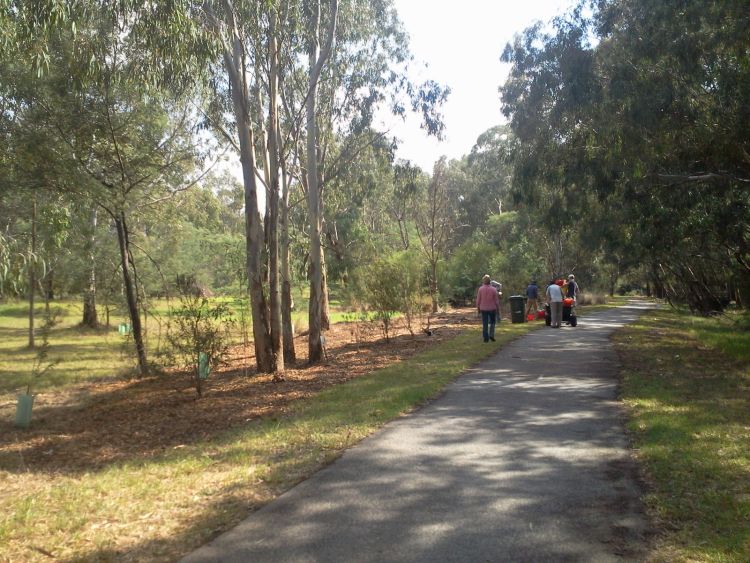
pixel 102 423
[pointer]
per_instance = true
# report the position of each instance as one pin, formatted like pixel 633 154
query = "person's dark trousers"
pixel 488 325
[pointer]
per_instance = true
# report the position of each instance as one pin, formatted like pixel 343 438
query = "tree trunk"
pixel 290 355
pixel 315 350
pixel 314 345
pixel 325 307
pixel 234 63
pixel 316 60
pixel 558 242
pixel 130 293
pixel 90 317
pixel 273 200
pixel 48 285
pixel 32 273
pixel 433 285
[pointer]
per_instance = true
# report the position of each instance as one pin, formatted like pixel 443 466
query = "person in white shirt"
pixel 555 300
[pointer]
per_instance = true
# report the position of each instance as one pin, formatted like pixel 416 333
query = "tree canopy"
pixel 640 107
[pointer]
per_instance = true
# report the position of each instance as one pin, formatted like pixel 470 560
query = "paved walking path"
pixel 524 458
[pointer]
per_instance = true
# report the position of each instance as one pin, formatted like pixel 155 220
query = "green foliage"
pixel 489 172
pixel 394 284
pixel 630 121
pixel 505 250
pixel 381 290
pixel 411 286
pixel 13 262
pixel 198 326
pixel 465 268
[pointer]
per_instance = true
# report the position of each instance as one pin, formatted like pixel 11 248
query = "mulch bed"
pixel 89 427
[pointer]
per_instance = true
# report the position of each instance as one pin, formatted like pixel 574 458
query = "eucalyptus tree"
pixel 36 214
pixel 352 49
pixel 123 148
pixel 265 50
pixel 436 221
pixel 550 97
pixel 36 226
pixel 366 73
pixel 29 153
pixel 406 192
pixel 488 166
pixel 317 58
pixel 679 94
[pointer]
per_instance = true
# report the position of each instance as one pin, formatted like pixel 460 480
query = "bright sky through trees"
pixel 461 43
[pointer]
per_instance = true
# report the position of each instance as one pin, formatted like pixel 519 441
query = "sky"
pixel 460 42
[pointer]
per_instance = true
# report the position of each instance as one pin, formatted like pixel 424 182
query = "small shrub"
pixel 42 364
pixel 354 320
pixel 382 291
pixel 394 285
pixel 200 326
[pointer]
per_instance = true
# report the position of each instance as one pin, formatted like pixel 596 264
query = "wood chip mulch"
pixel 92 426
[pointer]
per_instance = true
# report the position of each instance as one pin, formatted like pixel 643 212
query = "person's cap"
pixel 571 277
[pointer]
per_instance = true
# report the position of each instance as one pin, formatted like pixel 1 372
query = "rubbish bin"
pixel 517 306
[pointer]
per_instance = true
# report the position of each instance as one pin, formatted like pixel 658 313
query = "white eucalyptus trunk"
pixel 317 59
pixel 254 236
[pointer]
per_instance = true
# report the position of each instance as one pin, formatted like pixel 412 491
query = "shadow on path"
pixel 524 458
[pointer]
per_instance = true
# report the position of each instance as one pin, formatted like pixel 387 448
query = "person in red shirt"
pixel 488 305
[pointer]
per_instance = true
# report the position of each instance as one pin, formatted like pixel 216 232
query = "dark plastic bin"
pixel 517 308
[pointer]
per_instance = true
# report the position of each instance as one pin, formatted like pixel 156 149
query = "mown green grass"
pixel 686 382
pixel 83 355
pixel 164 507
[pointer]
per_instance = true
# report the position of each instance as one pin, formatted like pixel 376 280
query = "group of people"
pixel 557 291
pixel 488 301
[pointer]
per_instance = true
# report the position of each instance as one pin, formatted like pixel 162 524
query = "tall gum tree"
pixel 366 73
pixel 317 58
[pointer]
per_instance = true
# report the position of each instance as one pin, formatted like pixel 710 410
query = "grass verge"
pixel 686 383
pixel 159 509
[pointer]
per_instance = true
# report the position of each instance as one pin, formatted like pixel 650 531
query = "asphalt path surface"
pixel 523 458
